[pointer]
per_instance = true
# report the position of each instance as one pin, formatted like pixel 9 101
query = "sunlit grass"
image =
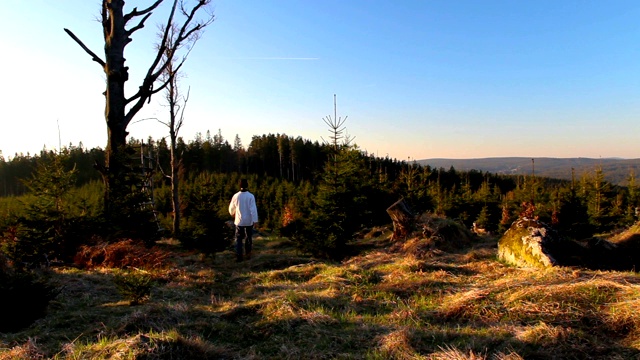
pixel 380 304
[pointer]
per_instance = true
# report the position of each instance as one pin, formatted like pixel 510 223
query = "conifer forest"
pixel 298 184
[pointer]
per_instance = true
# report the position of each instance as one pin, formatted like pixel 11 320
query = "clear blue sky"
pixel 417 79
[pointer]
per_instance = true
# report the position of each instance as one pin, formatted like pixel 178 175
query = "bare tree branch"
pixel 164 85
pixel 94 57
pixel 181 119
pixel 153 91
pixel 175 71
pixel 145 119
pixel 181 109
pixel 139 26
pixel 163 45
pixel 135 11
pixel 146 90
pixel 158 120
pixel 184 34
pixel 167 48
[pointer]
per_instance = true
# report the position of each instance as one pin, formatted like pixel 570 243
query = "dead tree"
pixel 120 109
pixel 177 104
pixel 403 219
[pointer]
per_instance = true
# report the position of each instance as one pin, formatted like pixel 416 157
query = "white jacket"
pixel 243 207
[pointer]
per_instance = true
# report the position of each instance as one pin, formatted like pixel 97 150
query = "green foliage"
pixel 289 177
pixel 134 286
pixel 14 172
pixel 205 198
pixel 410 184
pixel 85 200
pixel 482 221
pixel 43 232
pixel 205 208
pixel 573 218
pixel 340 205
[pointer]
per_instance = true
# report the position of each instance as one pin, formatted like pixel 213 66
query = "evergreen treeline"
pixel 297 181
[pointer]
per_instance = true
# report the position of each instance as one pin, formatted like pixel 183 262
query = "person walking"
pixel 243 208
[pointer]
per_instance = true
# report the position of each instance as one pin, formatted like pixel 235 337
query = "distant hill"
pixel 615 170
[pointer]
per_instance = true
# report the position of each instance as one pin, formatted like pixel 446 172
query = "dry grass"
pixel 25 351
pixel 121 254
pixel 386 303
pixel 170 345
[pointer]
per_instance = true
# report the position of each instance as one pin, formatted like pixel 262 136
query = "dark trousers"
pixel 244 232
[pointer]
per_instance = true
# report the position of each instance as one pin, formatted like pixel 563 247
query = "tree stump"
pixel 403 219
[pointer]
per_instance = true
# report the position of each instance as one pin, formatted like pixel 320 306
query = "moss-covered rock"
pixel 527 244
pixel 531 243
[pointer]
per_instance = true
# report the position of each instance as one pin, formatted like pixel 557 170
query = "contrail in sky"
pixel 273 58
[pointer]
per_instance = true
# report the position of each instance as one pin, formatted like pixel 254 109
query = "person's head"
pixel 244 184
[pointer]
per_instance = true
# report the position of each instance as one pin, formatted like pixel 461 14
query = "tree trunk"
pixel 403 219
pixel 114 170
pixel 120 110
pixel 117 74
pixel 175 185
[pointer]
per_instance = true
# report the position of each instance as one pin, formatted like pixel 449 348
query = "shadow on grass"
pixel 268 262
pixel 430 266
pixel 265 308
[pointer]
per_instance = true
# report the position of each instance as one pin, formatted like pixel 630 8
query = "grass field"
pixel 388 302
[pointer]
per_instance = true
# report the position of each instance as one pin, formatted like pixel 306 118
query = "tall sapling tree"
pixel 176 104
pixel 340 202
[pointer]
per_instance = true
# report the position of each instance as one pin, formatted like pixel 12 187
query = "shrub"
pixel 134 286
pixel 29 243
pixel 291 223
pixel 51 225
pixel 208 237
pixel 205 229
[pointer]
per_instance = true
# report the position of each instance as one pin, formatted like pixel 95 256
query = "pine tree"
pixel 340 204
pixel 573 217
pixel 43 229
pixel 482 221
